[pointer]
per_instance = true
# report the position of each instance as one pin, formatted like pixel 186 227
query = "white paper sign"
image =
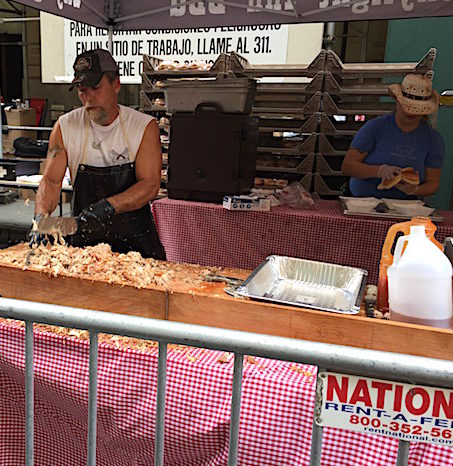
pixel 393 409
pixel 266 44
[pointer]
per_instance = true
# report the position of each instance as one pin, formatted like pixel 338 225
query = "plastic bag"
pixel 295 195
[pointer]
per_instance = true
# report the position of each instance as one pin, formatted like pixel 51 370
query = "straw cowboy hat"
pixel 416 95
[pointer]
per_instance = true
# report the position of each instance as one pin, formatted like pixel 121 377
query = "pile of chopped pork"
pixel 100 263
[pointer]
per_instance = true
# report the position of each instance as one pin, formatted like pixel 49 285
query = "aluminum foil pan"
pixel 304 283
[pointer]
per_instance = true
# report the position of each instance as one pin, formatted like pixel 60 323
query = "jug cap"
pixel 417 230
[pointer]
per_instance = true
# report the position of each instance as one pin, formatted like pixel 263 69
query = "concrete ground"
pixel 16 220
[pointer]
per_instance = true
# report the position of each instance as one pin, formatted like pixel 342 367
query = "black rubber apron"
pixel 130 231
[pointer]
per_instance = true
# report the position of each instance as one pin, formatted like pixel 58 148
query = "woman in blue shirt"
pixel 385 145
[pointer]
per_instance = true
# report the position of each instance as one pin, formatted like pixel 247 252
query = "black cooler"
pixel 212 152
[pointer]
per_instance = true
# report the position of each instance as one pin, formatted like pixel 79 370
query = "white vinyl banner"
pixel 398 410
pixel 263 44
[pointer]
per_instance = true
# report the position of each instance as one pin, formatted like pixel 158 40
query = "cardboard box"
pixel 56 110
pixel 19 117
pixel 246 203
pixel 27 194
pixel 42 167
pixel 66 197
pixel 55 114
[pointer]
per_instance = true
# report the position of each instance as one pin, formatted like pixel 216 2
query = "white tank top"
pixel 105 146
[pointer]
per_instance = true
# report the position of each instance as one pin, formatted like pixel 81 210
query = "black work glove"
pixel 36 238
pixel 94 219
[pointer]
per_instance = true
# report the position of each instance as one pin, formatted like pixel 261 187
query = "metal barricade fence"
pixel 347 360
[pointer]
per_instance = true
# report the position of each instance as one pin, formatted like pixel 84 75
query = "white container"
pixel 419 282
pixel 390 203
pixel 234 95
pixel 362 204
pixel 413 209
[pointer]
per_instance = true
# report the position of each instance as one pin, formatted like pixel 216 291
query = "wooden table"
pixel 34 187
pixel 208 234
pixel 208 304
pixel 277 404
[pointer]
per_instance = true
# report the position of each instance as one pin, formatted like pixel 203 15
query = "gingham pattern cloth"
pixel 276 409
pixel 208 234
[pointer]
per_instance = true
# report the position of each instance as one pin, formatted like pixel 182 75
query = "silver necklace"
pixel 96 145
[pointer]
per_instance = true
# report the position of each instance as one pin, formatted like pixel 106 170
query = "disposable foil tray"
pixel 305 283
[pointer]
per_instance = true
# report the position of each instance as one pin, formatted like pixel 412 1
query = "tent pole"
pixel 1 128
pixel 110 36
pixel 329 37
pixel 25 88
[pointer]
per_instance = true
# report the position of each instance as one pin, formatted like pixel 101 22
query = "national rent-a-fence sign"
pixel 393 409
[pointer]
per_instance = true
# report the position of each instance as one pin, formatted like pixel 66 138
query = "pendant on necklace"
pixel 96 145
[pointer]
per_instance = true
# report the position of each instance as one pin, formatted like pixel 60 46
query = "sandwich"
pixel 410 176
pixel 390 182
pixel 407 175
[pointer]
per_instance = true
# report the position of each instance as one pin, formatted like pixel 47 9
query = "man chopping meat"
pixel 114 159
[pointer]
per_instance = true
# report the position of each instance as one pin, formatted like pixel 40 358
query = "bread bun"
pixel 166 65
pixel 281 183
pixel 410 176
pixel 259 181
pixel 389 184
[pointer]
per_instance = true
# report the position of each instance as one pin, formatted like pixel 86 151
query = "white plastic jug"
pixel 419 282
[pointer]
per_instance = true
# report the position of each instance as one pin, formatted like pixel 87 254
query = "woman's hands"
pixel 407 188
pixel 387 172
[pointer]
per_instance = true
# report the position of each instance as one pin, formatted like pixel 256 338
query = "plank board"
pixel 208 304
pixel 307 324
pixel 31 285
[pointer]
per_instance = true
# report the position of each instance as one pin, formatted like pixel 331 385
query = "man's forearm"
pixel 47 197
pixel 135 197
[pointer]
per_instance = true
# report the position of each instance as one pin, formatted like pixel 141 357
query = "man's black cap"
pixel 90 66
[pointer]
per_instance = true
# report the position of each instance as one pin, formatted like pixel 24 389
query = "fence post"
pixel 92 399
pixel 403 453
pixel 160 404
pixel 235 409
pixel 29 395
pixel 316 436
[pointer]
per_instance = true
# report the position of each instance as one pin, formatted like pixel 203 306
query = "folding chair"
pixel 40 105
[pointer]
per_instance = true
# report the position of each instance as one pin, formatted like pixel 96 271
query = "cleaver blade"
pixel 58 225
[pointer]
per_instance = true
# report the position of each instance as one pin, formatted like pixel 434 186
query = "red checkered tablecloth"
pixel 208 234
pixel 276 410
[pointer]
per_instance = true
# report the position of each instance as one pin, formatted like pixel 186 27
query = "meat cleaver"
pixel 58 225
